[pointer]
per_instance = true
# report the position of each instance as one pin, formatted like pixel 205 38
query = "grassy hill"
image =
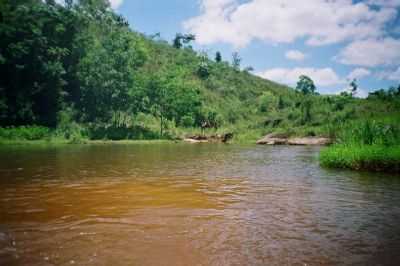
pixel 80 72
pixel 251 107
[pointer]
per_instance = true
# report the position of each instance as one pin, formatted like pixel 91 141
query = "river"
pixel 185 204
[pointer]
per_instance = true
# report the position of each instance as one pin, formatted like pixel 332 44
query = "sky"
pixel 331 41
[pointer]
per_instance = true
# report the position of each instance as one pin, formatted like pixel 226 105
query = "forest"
pixel 78 71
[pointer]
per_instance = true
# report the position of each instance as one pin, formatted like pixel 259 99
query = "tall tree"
pixel 32 55
pixel 181 39
pixel 236 60
pixel 353 87
pixel 218 57
pixel 305 85
pixel 107 73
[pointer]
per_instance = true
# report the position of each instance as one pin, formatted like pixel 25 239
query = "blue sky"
pixel 331 41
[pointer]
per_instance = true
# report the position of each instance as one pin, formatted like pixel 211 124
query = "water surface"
pixel 182 204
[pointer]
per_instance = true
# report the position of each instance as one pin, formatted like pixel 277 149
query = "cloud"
pixel 295 55
pixel 358 73
pixel 371 52
pixel 390 75
pixel 116 3
pixel 385 3
pixel 360 93
pixel 320 22
pixel 321 76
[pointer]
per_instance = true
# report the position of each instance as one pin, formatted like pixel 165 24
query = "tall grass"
pixel 369 132
pixel 369 145
pixel 362 157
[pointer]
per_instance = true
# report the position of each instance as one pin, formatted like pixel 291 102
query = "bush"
pixel 69 129
pixel 25 133
pixel 187 121
pixel 103 132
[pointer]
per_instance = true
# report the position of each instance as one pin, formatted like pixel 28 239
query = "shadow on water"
pixel 179 204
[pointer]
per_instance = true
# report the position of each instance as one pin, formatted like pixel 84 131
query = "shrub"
pixel 187 121
pixel 25 133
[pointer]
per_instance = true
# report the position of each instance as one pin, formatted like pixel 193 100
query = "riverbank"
pixel 377 158
pixel 69 142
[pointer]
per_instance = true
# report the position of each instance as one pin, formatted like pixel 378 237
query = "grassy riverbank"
pixel 364 157
pixel 366 145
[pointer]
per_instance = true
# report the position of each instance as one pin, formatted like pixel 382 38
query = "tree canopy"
pixel 305 85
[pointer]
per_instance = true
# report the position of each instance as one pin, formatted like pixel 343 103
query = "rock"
pixel 283 139
pixel 274 139
pixel 226 137
pixel 213 138
pixel 190 140
pixel 197 137
pixel 310 141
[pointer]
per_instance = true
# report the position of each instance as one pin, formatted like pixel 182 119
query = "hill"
pixel 79 71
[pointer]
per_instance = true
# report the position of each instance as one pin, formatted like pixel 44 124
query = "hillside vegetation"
pixel 79 71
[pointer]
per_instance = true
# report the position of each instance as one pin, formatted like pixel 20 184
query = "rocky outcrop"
pixel 190 140
pixel 274 139
pixel 310 141
pixel 283 139
pixel 224 138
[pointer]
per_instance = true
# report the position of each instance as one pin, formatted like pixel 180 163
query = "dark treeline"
pixel 80 61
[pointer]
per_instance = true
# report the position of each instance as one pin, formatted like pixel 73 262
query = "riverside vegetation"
pixel 79 72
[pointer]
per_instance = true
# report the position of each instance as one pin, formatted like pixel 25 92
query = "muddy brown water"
pixel 183 204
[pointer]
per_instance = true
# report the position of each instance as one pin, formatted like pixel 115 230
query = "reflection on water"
pixel 178 204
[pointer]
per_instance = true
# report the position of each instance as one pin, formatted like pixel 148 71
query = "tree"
pixel 173 98
pixel 267 102
pixel 95 5
pixel 203 70
pixel 305 85
pixel 281 103
pixel 306 111
pixel 177 42
pixel 236 60
pixel 181 39
pixel 69 3
pixel 32 52
pixel 107 73
pixel 249 69
pixel 353 87
pixel 218 57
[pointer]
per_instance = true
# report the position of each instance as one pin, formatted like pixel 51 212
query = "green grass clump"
pixel 370 132
pixel 362 157
pixel 366 145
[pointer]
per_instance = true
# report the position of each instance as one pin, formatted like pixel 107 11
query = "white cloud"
pixel 385 3
pixel 295 55
pixel 320 22
pixel 390 75
pixel 320 76
pixel 360 93
pixel 358 73
pixel 371 52
pixel 116 3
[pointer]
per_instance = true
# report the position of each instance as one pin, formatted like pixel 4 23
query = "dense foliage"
pixel 81 71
